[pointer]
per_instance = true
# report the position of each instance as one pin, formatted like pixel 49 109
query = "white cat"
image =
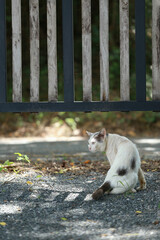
pixel 124 160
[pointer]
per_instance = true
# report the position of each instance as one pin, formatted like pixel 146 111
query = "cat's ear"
pixel 103 132
pixel 89 133
pixel 101 135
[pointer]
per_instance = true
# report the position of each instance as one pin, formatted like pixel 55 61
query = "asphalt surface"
pixel 48 147
pixel 60 206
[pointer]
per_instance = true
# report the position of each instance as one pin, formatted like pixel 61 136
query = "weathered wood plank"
pixel 3 46
pixel 124 51
pixel 52 50
pixel 104 50
pixel 86 50
pixel 156 49
pixel 16 51
pixel 34 50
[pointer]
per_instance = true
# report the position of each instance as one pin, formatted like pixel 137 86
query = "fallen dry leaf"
pixel 143 162
pixel 29 182
pixel 156 222
pixel 154 170
pixel 87 161
pixel 138 212
pixel 63 164
pixel 3 224
pixel 79 167
pixel 104 235
pixel 132 234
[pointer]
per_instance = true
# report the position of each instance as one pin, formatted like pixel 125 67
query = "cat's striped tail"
pixel 106 187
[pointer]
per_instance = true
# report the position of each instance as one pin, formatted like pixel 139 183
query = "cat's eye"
pixel 93 142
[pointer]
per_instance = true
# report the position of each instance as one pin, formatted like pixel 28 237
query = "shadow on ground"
pixel 60 207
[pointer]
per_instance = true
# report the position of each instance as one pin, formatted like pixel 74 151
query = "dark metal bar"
pixel 80 106
pixel 68 52
pixel 140 51
pixel 3 51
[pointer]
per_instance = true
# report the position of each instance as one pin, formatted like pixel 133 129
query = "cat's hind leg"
pixel 133 190
pixel 118 190
pixel 141 179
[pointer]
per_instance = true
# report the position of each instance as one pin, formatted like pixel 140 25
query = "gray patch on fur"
pixel 133 163
pixel 122 171
pixel 99 137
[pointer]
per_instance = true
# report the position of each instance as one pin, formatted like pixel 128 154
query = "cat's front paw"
pixel 97 194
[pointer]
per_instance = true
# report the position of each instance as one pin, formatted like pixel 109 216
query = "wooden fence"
pixel 125 104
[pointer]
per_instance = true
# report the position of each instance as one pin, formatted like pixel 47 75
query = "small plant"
pixel 22 157
pixel 3 165
pixel 128 192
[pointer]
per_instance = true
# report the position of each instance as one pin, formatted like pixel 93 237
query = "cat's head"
pixel 97 141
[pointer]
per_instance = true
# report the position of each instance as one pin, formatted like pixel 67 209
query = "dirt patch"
pixel 74 167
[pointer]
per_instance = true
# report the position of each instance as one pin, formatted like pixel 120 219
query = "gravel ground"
pixel 60 207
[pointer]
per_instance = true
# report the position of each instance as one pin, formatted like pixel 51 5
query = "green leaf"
pixel 22 157
pixel 64 219
pixel 8 163
pixel 16 171
pixel 26 158
pixel 127 184
pixel 38 176
pixel 19 154
pixel 19 158
pixel 121 183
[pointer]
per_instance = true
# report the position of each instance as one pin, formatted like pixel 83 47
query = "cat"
pixel 124 160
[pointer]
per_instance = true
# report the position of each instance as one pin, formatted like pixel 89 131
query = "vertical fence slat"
pixel 140 51
pixel 16 51
pixel 86 50
pixel 68 53
pixel 124 51
pixel 104 49
pixel 34 50
pixel 2 51
pixel 52 50
pixel 156 49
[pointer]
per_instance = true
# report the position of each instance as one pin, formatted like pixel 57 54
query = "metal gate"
pixel 69 104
